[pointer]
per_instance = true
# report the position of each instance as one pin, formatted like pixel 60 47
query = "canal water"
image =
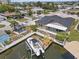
pixel 20 51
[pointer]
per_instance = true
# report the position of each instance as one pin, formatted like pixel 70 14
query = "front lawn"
pixel 1 25
pixel 73 11
pixel 22 20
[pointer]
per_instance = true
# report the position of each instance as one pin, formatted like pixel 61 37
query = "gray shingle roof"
pixel 50 19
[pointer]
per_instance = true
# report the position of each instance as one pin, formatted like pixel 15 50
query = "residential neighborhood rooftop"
pixel 56 19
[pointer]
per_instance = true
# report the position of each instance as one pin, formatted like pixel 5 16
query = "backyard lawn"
pixel 22 20
pixel 73 11
pixel 74 36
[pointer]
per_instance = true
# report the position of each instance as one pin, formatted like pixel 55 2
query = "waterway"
pixel 20 51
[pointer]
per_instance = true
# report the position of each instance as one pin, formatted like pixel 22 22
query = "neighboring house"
pixel 35 9
pixel 55 23
pixel 76 7
pixel 2 18
pixel 23 11
pixel 7 14
pixel 19 8
pixel 7 25
pixel 3 37
pixel 64 7
pixel 38 16
pixel 5 1
pixel 18 29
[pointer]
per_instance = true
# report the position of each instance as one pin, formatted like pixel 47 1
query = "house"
pixel 2 18
pixel 19 8
pixel 19 29
pixel 3 37
pixel 7 14
pixel 35 9
pixel 55 23
pixel 23 11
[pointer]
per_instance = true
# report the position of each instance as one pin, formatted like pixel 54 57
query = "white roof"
pixel 2 17
pixel 37 8
pixel 57 26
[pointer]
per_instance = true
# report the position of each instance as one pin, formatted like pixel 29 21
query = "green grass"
pixel 61 36
pixel 74 36
pixel 73 11
pixel 22 20
pixel 1 26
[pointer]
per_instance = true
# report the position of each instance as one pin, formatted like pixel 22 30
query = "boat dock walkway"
pixel 54 40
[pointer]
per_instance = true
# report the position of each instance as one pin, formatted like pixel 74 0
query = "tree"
pixel 8 31
pixel 49 6
pixel 39 4
pixel 32 28
pixel 39 12
pixel 4 8
pixel 30 12
pixel 45 12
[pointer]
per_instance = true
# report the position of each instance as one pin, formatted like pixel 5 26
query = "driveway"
pixel 7 25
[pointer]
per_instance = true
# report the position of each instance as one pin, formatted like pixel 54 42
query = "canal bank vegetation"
pixel 61 36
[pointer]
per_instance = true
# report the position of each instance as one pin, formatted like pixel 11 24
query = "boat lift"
pixel 29 48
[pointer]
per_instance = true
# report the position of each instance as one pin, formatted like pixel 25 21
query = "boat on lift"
pixel 35 46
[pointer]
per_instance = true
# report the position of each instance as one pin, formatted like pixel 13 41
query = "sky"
pixel 39 0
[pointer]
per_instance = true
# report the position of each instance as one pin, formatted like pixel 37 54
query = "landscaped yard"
pixel 46 41
pixel 1 25
pixel 72 36
pixel 73 11
pixel 22 20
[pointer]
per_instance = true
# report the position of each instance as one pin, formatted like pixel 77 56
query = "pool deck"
pixel 73 48
pixel 16 42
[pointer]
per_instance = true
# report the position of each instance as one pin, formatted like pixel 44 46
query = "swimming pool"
pixel 4 38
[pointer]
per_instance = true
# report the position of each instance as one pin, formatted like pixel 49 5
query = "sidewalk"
pixel 73 48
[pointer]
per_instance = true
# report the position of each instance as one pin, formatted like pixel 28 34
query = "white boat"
pixel 35 46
